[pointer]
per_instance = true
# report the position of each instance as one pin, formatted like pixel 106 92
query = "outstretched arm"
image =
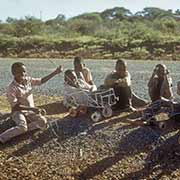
pixel 51 75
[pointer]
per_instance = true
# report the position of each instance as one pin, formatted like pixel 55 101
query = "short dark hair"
pixel 78 60
pixel 121 62
pixel 161 66
pixel 67 73
pixel 15 66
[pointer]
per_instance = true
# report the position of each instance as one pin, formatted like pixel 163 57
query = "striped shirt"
pixel 22 93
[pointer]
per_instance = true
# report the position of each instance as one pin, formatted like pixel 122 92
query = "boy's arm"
pixel 126 81
pixel 178 87
pixel 168 86
pixel 19 107
pixel 168 79
pixel 151 80
pixel 89 77
pixel 109 81
pixel 51 75
pixel 16 106
pixel 84 85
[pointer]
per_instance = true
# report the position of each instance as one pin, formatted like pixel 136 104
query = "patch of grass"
pixel 52 104
pixel 5 107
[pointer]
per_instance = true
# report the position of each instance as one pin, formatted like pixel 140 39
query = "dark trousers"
pixel 124 94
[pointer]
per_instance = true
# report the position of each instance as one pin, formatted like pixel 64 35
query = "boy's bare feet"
pixel 73 112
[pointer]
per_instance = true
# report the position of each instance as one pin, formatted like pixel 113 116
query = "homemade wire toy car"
pixel 100 101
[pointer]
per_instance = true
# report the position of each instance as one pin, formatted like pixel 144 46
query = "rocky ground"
pixel 78 149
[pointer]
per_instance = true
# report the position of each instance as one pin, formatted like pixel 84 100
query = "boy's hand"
pixel 37 110
pixel 40 111
pixel 118 81
pixel 58 70
pixel 51 75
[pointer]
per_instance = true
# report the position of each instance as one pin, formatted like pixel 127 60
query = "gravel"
pixel 76 148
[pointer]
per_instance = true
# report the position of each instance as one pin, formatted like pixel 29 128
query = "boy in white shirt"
pixel 76 88
pixel 19 93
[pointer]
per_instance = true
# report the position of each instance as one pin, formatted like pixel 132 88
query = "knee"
pixel 23 129
pixel 42 122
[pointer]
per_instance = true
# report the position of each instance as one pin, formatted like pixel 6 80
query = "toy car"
pixel 100 101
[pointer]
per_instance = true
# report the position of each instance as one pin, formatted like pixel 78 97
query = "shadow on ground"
pixel 54 108
pixel 162 154
pixel 161 161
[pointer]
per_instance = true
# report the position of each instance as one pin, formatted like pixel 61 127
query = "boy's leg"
pixel 166 102
pixel 152 110
pixel 20 128
pixel 36 121
pixel 156 106
pixel 124 94
pixel 137 101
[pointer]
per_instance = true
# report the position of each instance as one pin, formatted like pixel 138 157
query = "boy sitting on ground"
pixel 161 105
pixel 19 93
pixel 171 108
pixel 83 72
pixel 76 91
pixel 160 84
pixel 120 81
pixel 78 88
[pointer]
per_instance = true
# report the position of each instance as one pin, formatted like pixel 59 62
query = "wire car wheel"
pixel 96 116
pixel 71 101
pixel 107 111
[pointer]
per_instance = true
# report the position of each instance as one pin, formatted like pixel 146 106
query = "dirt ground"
pixel 78 149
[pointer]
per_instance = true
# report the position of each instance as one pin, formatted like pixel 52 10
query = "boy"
pixel 83 72
pixel 160 84
pixel 120 80
pixel 19 93
pixel 171 108
pixel 77 88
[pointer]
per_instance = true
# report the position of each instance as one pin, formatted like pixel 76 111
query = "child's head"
pixel 121 68
pixel 161 70
pixel 70 77
pixel 19 71
pixel 78 63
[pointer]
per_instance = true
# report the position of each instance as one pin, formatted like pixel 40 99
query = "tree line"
pixel 152 33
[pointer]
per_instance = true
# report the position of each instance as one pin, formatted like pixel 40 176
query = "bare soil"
pixel 78 149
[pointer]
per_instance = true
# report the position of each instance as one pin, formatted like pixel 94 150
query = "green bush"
pixel 139 53
pixel 159 52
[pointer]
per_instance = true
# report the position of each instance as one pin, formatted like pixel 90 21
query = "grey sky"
pixel 51 8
